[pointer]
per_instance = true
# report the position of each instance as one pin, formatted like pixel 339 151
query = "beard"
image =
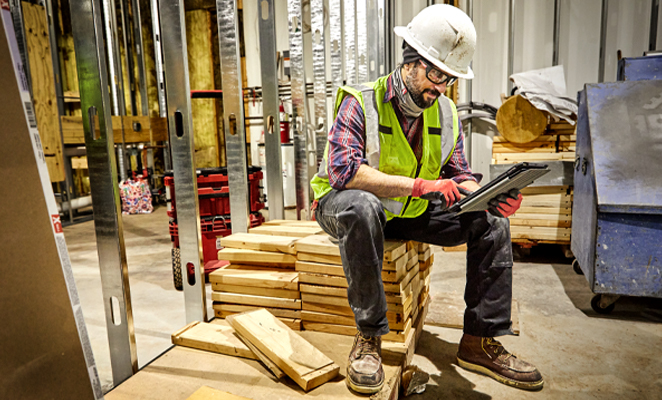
pixel 418 95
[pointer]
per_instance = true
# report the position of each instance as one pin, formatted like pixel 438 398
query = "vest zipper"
pixel 418 170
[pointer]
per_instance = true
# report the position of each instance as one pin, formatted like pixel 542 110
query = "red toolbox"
pixel 214 193
pixel 211 228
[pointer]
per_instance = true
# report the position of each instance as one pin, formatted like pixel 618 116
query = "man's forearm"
pixel 381 184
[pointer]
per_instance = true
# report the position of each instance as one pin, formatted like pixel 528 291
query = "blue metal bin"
pixel 617 207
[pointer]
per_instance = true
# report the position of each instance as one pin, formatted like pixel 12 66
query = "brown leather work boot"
pixel 364 369
pixel 487 356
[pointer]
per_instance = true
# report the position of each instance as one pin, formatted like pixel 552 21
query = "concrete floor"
pixel 582 355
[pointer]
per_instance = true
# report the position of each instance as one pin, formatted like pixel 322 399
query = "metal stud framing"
pixel 115 69
pixel 233 113
pixel 270 110
pixel 362 40
pixel 298 85
pixel 180 128
pixel 142 73
pixel 95 103
pixel 381 38
pixel 319 76
pixel 349 18
pixel 335 32
pixel 373 40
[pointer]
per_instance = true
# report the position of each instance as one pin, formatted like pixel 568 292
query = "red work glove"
pixel 505 205
pixel 440 189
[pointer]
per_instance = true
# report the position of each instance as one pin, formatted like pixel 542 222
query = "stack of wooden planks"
pixel 546 212
pixel 544 217
pixel 260 275
pixel 556 144
pixel 323 286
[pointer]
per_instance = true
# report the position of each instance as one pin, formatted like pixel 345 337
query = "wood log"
pixel 519 121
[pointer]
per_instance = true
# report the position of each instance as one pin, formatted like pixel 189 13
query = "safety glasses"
pixel 436 76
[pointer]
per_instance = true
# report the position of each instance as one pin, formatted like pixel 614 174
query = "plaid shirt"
pixel 347 142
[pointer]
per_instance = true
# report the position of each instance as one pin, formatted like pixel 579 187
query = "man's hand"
pixel 505 205
pixel 445 188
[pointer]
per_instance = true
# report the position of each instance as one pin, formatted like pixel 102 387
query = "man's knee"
pixel 367 208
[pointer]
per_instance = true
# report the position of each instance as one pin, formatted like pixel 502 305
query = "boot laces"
pixel 367 345
pixel 499 351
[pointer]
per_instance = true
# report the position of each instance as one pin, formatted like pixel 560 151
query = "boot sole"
pixel 364 389
pixel 500 378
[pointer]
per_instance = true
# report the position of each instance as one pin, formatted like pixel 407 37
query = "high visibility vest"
pixel 387 149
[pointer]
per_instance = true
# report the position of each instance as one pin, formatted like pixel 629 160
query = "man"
pixel 392 142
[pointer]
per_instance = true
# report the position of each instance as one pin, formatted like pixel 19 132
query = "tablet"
pixel 517 177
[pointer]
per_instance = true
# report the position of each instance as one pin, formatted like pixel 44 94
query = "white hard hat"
pixel 443 35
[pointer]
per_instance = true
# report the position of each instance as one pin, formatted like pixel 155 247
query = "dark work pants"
pixel 356 218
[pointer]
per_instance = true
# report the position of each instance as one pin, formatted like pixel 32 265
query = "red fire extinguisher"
pixel 284 125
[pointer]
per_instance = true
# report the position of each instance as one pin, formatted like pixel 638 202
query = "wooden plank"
pixel 253 241
pixel 342 292
pixel 324 318
pixel 324 280
pixel 545 147
pixel 292 323
pixel 539 139
pixel 392 317
pixel 545 210
pixel 319 268
pixel 412 261
pixel 292 222
pixel 425 265
pixel 343 302
pixel 271 366
pixel 395 265
pixel 299 359
pixel 394 249
pixel 392 336
pixel 245 256
pixel 424 256
pixel 545 190
pixel 561 126
pixel 259 279
pixel 422 247
pixel 207 393
pixel 217 337
pixel 545 233
pixel 318 244
pixel 292 231
pixel 150 127
pixel 405 281
pixel 257 291
pixel 270 302
pixel 519 157
pixel 319 258
pixel 547 217
pixel 540 222
pixel 44 98
pixel 225 308
pixel 412 253
pixel 323 290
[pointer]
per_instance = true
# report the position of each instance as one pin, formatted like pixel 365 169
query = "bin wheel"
pixel 595 304
pixel 177 269
pixel 576 267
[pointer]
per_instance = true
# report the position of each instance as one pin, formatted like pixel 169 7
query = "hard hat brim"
pixel 402 32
